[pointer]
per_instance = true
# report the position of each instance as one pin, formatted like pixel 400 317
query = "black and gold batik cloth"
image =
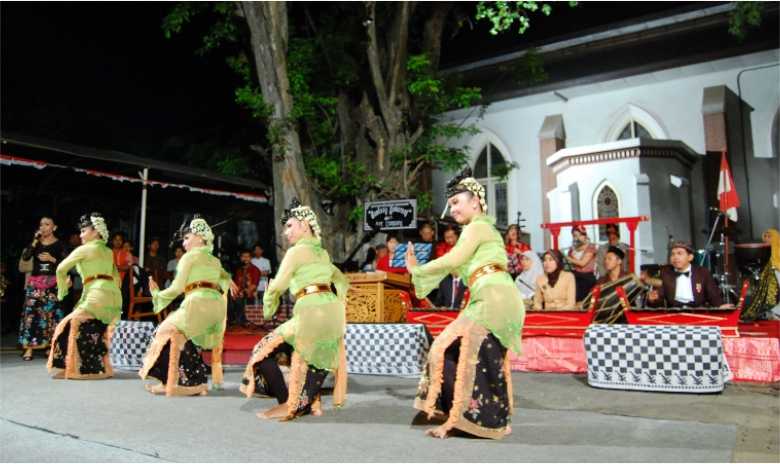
pixel 610 308
pixel 174 355
pixel 311 342
pixel 80 342
pixel 467 375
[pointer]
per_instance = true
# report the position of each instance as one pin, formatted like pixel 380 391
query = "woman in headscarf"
pixel 81 340
pixel 174 356
pixel 313 340
pixel 765 296
pixel 531 270
pixel 467 378
pixel 555 289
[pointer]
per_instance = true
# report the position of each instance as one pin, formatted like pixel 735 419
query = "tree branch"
pixel 399 49
pixel 433 30
pixel 375 68
pixel 417 134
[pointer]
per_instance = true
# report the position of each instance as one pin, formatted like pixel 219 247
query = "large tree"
pixel 349 94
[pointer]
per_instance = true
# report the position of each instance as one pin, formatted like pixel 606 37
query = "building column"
pixel 552 138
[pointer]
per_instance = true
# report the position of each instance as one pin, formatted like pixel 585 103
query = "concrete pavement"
pixel 557 418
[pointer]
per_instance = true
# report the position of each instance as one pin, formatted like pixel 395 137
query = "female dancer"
pixel 467 377
pixel 42 312
pixel 314 337
pixel 81 340
pixel 174 356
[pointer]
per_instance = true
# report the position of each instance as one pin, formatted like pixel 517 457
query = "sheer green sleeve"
pixel 224 280
pixel 426 278
pixel 162 298
pixel 66 265
pixel 278 285
pixel 341 283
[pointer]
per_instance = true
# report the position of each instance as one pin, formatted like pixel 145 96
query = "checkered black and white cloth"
pixel 129 343
pixel 386 349
pixel 656 358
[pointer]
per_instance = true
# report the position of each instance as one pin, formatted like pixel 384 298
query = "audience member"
pixel 582 256
pixel 555 289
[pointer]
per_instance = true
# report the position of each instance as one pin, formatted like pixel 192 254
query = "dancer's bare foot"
pixel 508 431
pixel 437 432
pixel 316 407
pixel 59 375
pixel 158 389
pixel 277 412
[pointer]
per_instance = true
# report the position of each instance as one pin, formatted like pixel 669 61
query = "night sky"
pixel 103 75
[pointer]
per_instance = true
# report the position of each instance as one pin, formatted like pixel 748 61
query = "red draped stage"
pixel 750 358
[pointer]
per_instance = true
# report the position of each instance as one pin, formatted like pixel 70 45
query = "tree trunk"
pixel 268 28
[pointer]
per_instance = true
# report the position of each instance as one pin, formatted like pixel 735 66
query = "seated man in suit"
pixel 684 284
pixel 450 293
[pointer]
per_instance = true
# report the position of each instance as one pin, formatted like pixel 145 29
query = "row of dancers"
pixel 466 384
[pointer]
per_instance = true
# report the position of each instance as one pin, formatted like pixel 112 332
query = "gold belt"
pixel 201 284
pixel 98 277
pixel 312 289
pixel 483 271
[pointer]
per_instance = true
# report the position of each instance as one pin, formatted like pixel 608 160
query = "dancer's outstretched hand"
pixel 234 290
pixel 411 259
pixel 153 285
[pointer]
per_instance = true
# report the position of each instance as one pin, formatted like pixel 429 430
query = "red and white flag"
pixel 727 192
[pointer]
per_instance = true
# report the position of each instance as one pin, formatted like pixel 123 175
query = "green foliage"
pixel 329 171
pixel 502 171
pixel 503 15
pixel 433 95
pixel 528 70
pixel 315 110
pixel 232 164
pixel 324 61
pixel 424 200
pixel 181 15
pixel 356 215
pixel 744 16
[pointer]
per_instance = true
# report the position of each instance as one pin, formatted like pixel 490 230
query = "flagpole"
pixel 726 220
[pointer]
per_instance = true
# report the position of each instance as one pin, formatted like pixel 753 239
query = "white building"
pixel 632 122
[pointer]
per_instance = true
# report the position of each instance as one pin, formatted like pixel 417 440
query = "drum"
pixel 752 256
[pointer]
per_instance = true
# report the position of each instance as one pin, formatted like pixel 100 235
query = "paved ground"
pixel 559 418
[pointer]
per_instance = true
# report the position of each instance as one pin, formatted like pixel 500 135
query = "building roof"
pixel 663 41
pixel 84 155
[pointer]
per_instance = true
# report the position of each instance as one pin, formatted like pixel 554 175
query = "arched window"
pixel 633 130
pixel 491 170
pixel 631 122
pixel 607 206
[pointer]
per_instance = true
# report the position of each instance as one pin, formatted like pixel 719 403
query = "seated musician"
pixel 384 263
pixel 613 237
pixel 609 307
pixel 684 284
pixel 450 293
pixel 555 289
pixel 613 265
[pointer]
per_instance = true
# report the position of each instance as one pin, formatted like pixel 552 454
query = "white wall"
pixel 673 97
